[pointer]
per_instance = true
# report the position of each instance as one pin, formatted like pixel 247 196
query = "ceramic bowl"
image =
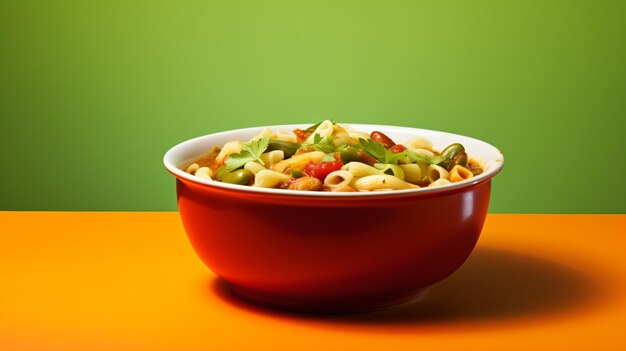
pixel 326 251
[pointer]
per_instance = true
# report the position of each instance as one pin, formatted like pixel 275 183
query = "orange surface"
pixel 130 281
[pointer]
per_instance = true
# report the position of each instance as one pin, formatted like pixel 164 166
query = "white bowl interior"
pixel 185 153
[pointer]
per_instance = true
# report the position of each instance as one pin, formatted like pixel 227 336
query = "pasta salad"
pixel 330 156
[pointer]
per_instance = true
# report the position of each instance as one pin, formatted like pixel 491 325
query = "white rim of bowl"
pixel 495 168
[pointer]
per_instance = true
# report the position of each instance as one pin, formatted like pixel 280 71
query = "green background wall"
pixel 93 93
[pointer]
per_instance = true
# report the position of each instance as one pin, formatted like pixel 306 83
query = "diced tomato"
pixel 382 138
pixel 321 169
pixel 398 148
pixel 301 134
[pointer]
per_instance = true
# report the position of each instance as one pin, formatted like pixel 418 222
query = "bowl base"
pixel 311 305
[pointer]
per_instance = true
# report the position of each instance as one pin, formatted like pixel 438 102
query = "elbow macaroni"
pixel 269 179
pixel 273 157
pixel 286 135
pixel 266 132
pixel 253 167
pixel 231 147
pixel 204 172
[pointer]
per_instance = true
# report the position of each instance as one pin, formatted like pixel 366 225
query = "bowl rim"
pixel 182 175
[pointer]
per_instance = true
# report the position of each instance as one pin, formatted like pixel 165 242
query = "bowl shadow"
pixel 492 285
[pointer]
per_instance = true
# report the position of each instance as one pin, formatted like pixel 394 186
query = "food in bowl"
pixel 333 157
pixel 329 251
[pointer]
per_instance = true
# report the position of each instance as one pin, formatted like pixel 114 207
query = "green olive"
pixel 452 150
pixel 449 152
pixel 221 172
pixel 240 176
pixel 349 154
pixel 287 147
pixel 460 159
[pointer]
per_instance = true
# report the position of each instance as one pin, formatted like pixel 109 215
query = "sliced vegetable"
pixel 287 147
pixel 460 159
pixel 321 169
pixel 312 128
pixel 349 154
pixel 381 138
pixel 398 148
pixel 449 153
pixel 221 172
pixel 240 176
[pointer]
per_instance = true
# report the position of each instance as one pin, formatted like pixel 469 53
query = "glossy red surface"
pixel 340 254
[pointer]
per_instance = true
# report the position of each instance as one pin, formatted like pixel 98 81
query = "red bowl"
pixel 332 252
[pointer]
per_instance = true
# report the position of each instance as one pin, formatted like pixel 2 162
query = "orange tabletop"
pixel 131 281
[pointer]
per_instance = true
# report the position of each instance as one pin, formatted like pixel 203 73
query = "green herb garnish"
pixel 250 151
pixel 433 160
pixel 326 145
pixel 379 152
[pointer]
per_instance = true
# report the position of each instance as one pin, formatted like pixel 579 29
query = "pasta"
pixel 459 174
pixel 204 172
pixel 359 169
pixel 192 168
pixel 420 143
pixel 412 173
pixel 324 129
pixel 299 161
pixel 254 167
pixel 269 179
pixel 338 179
pixel 354 134
pixel 436 172
pixel 231 147
pixel 381 182
pixel 439 182
pixel 286 135
pixel 265 132
pixel 334 157
pixel 273 156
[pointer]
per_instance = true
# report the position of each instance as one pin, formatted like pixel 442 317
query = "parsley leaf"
pixel 374 149
pixel 434 160
pixel 393 158
pixel 250 151
pixel 326 145
pixel 379 152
